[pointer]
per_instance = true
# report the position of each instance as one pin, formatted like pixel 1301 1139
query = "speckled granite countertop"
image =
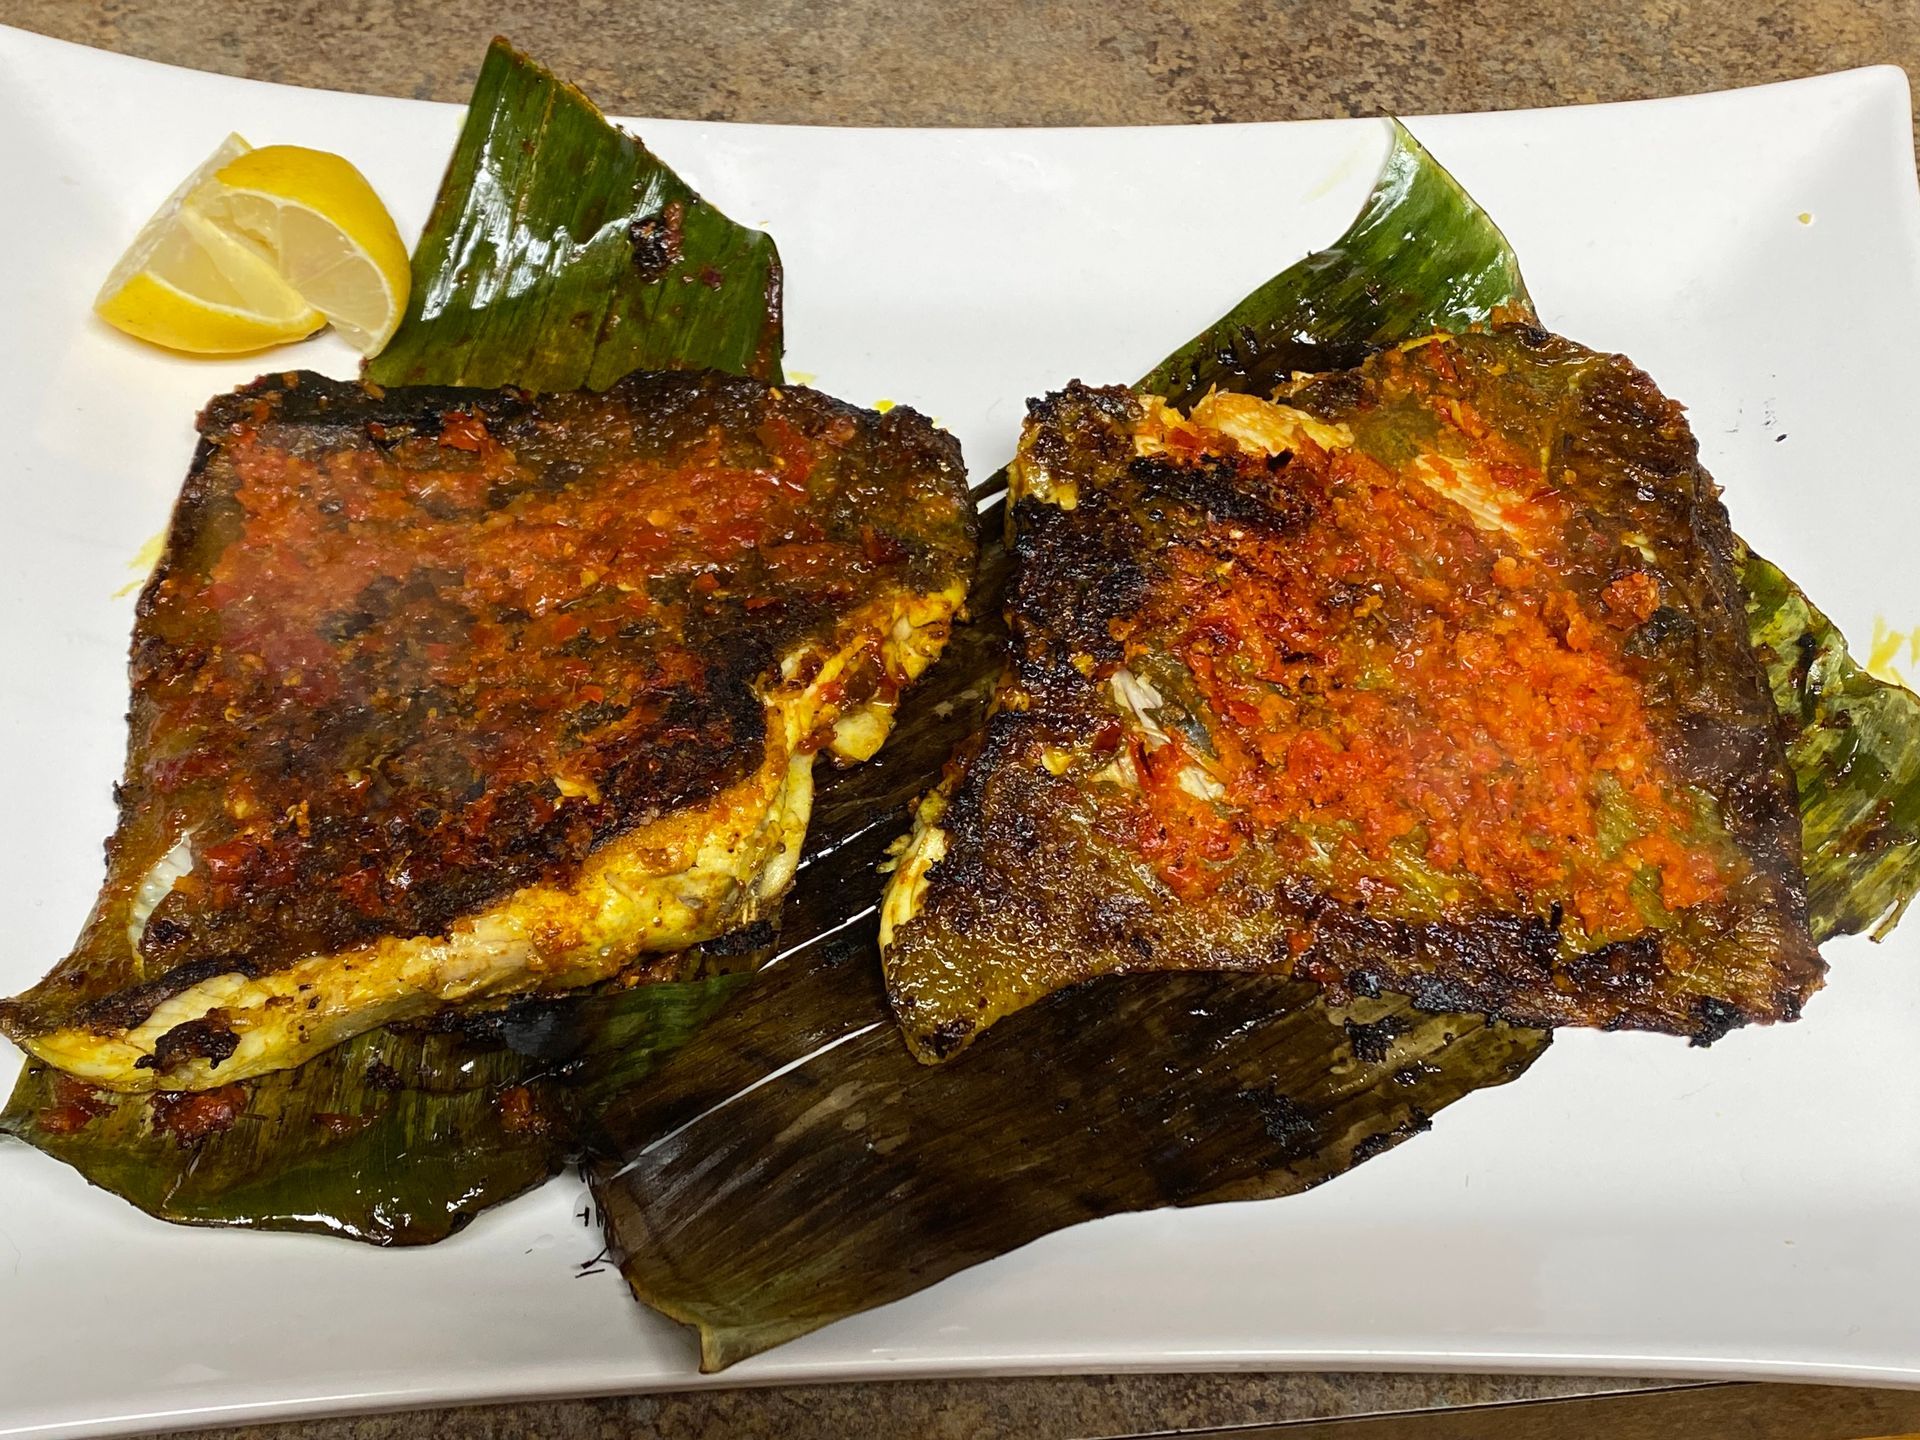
pixel 1002 62
pixel 1016 62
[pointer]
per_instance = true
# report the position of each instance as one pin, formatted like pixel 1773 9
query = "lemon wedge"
pixel 189 285
pixel 259 247
pixel 314 218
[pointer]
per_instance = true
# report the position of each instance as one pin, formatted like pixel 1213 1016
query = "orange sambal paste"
pixel 1410 690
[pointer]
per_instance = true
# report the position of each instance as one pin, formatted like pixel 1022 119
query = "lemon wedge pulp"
pixel 189 285
pixel 316 220
pixel 259 247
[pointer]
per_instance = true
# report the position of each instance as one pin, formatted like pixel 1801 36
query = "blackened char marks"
pixel 1417 1123
pixel 1217 492
pixel 129 1008
pixel 210 1038
pixel 991 823
pixel 1727 736
pixel 655 240
pixel 1075 573
pixel 1295 1133
pixel 1089 421
pixel 1373 1042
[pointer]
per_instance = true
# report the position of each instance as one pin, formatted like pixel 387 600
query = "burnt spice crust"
pixel 408 650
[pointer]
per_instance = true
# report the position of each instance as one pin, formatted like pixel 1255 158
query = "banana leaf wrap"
pixel 1421 256
pixel 1854 744
pixel 793 1164
pixel 559 253
pixel 398 1137
pixel 1171 1090
pixel 562 254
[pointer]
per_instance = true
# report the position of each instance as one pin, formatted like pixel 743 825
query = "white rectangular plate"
pixel 1630 1206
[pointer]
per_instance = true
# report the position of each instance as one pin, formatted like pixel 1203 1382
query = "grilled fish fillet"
pixel 1430 676
pixel 441 695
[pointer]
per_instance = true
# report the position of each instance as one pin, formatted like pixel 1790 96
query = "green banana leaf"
pixel 562 254
pixel 398 1137
pixel 1422 256
pixel 793 1164
pixel 1854 744
pixel 862 1176
pixel 531 273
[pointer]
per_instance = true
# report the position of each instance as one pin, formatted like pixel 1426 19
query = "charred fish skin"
pixel 1430 676
pixel 440 695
